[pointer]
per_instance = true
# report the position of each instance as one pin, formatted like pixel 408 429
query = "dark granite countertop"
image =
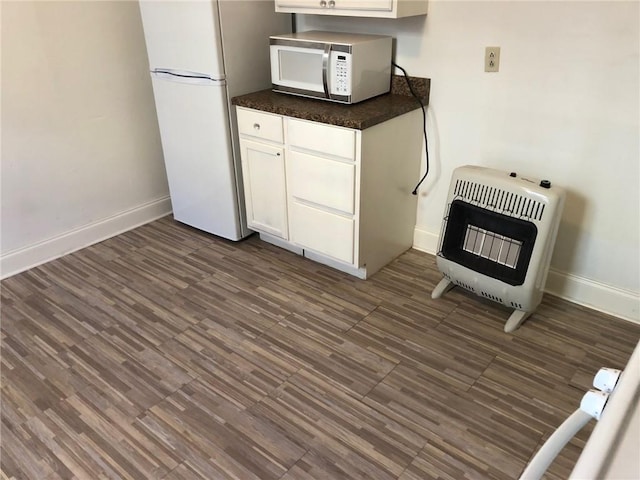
pixel 359 116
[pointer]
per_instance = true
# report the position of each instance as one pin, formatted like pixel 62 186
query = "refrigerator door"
pixel 183 35
pixel 194 127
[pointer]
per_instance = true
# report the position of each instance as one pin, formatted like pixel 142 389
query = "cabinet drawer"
pixel 326 139
pixel 260 125
pixel 329 183
pixel 321 231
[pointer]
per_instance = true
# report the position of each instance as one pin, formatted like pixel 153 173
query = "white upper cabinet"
pixel 354 8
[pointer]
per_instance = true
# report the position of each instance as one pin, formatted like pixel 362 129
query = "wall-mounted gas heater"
pixel 497 237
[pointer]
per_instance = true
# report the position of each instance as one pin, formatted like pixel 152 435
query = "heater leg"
pixel 515 320
pixel 443 287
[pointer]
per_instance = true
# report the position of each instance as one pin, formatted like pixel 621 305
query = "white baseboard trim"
pixel 22 259
pixel 425 241
pixel 583 291
pixel 614 301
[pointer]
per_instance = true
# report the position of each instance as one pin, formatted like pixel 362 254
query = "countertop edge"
pixel 358 116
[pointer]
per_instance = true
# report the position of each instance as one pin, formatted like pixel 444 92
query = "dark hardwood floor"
pixel 167 353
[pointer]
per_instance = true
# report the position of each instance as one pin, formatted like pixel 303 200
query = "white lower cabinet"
pixel 339 196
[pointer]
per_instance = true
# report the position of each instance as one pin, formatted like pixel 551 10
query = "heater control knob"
pixel 513 174
pixel 545 183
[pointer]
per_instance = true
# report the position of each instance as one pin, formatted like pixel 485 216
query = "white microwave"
pixel 338 67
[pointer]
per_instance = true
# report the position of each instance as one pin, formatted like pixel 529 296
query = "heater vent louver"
pixel 498 200
pixel 465 286
pixel 491 297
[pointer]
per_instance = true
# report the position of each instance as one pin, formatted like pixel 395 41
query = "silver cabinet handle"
pixel 323 3
pixel 256 126
pixel 332 4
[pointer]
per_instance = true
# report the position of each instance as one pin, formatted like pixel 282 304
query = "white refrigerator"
pixel 201 54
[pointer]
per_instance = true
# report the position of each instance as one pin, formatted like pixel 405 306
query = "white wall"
pixel 81 153
pixel 564 106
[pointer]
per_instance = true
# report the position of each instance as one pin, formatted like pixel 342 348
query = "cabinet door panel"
pixel 264 187
pixel 322 232
pixel 355 8
pixel 327 139
pixel 319 180
pixel 384 5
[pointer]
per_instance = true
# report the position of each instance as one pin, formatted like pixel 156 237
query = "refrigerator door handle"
pixel 183 76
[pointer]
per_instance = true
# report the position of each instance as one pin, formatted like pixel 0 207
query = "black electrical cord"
pixel 424 125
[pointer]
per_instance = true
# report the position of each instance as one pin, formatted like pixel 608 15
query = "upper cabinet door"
pixel 183 35
pixel 385 5
pixel 355 8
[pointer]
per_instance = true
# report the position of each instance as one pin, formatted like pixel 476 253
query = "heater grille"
pixel 486 241
pixel 499 200
pixel 492 246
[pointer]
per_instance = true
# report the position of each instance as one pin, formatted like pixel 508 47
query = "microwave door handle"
pixel 325 69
